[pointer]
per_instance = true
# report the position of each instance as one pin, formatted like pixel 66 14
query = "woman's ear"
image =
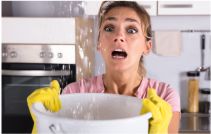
pixel 148 47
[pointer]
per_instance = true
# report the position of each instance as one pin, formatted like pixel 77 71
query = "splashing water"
pixel 81 111
pixel 88 66
pixel 90 61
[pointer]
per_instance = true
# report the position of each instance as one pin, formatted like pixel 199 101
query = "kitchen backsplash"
pixel 173 69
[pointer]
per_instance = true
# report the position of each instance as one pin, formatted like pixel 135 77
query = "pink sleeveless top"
pixel 95 85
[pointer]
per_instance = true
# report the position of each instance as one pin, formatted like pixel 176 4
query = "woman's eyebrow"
pixel 111 18
pixel 131 20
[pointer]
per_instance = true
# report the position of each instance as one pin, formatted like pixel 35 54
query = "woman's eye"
pixel 108 29
pixel 132 30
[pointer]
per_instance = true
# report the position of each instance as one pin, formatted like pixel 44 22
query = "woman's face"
pixel 121 40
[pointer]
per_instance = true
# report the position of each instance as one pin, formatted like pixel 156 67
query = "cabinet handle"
pixel 146 6
pixel 177 6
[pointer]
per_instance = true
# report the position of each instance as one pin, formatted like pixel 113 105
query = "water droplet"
pixel 81 52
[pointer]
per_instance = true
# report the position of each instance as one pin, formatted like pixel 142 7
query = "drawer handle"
pixel 35 72
pixel 177 6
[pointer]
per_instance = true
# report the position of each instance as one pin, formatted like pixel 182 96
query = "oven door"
pixel 18 84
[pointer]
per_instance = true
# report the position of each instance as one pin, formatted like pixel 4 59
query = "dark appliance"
pixel 26 67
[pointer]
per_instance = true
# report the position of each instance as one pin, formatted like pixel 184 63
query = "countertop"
pixel 195 123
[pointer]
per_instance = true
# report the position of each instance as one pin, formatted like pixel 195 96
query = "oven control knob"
pixel 13 54
pixel 4 54
pixel 42 54
pixel 50 55
pixel 60 55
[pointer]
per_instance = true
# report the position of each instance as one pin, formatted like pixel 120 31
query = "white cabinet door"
pixel 200 7
pixel 150 6
pixel 92 7
pixel 38 30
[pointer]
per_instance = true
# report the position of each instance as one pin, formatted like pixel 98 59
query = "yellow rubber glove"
pixel 49 96
pixel 161 112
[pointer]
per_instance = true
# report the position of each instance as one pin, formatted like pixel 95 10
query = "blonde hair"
pixel 106 6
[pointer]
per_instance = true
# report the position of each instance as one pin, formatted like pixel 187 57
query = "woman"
pixel 124 39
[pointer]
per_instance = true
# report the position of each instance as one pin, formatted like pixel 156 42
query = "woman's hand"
pixel 48 96
pixel 161 112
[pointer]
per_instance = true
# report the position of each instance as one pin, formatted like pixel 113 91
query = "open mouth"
pixel 119 54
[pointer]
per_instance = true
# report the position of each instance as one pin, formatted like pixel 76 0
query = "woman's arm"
pixel 175 123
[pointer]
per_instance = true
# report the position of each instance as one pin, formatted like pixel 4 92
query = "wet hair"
pixel 106 6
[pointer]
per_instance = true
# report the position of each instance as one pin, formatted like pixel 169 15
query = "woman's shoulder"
pixel 92 84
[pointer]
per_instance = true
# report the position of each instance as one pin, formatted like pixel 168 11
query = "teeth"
pixel 118 57
pixel 119 50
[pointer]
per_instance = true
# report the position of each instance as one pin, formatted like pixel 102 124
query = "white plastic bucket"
pixel 93 113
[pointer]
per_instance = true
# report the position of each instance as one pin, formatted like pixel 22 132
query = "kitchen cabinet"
pixel 156 7
pixel 150 6
pixel 38 30
pixel 92 7
pixel 184 7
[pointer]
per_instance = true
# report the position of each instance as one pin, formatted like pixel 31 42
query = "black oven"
pixel 19 79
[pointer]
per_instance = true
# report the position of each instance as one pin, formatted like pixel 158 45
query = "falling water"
pixel 86 66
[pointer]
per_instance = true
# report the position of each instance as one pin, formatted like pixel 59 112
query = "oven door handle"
pixel 36 72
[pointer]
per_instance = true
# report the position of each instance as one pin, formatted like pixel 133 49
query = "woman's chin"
pixel 119 68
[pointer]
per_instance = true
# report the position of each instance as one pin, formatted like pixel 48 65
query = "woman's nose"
pixel 119 37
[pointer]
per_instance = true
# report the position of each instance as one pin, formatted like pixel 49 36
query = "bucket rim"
pixel 46 115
